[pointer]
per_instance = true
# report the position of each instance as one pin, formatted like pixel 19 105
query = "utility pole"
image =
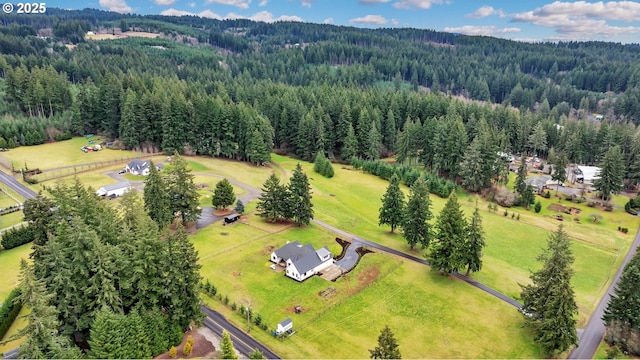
pixel 248 320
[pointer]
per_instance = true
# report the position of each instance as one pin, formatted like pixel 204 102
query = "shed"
pixel 230 219
pixel 114 190
pixel 284 326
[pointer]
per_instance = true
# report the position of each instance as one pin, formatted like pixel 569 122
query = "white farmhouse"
pixel 302 261
pixel 114 190
pixel 140 167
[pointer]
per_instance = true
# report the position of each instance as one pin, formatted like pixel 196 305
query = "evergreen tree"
pixel 239 207
pixel 472 170
pixel 41 217
pixel 416 214
pixel 472 250
pixel 299 200
pixel 42 340
pixel 271 204
pixel 622 315
pixel 560 168
pixel 156 198
pixel 256 354
pixel 350 147
pixel 223 195
pixel 447 249
pixel 226 347
pixel 538 139
pixel 387 346
pixel 527 197
pixel 392 210
pixel 520 185
pixel 611 174
pixel 183 195
pixel 374 142
pixel 549 301
pixel 182 288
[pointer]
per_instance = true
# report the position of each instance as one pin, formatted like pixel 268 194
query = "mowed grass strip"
pixel 242 171
pixel 10 266
pixel 432 316
pixel 17 325
pixel 351 201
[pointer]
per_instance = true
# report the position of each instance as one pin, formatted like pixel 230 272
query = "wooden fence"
pixel 60 172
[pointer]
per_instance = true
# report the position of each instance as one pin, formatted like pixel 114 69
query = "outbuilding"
pixel 230 219
pixel 114 190
pixel 284 326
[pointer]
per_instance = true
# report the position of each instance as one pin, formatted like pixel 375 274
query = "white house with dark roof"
pixel 302 261
pixel 140 167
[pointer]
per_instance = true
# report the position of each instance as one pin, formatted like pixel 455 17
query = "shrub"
pixel 504 197
pixel 591 203
pixel 257 320
pixel 226 300
pixel 173 352
pixel 596 218
pixel 538 207
pixel 547 195
pixel 17 236
pixel 187 349
pixel 190 340
pixel 234 306
pixel 323 166
pixel 608 207
pixel 505 213
pixel 264 326
pixel 518 217
pixel 513 215
pixel 9 311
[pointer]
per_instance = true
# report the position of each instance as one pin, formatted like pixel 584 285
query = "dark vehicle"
pixel 230 219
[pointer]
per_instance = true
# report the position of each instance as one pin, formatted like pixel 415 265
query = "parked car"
pixel 122 172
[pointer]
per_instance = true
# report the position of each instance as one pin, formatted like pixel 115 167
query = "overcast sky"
pixel 526 20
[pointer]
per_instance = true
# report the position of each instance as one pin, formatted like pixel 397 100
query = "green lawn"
pixel 431 317
pixel 62 153
pixel 10 260
pixel 207 185
pixel 247 173
pixel 17 325
pixel 512 245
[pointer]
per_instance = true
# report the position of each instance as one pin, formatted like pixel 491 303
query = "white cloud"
pixel 481 30
pixel 203 14
pixel 263 3
pixel 242 4
pixel 164 2
pixel 266 16
pixel 192 4
pixel 305 3
pixel 486 11
pixel 328 20
pixel 119 6
pixel 369 20
pixel 373 2
pixel 416 4
pixel 583 21
pixel 394 22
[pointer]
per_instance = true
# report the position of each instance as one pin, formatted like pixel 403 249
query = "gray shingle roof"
pixel 119 185
pixel 306 262
pixel 286 322
pixel 289 250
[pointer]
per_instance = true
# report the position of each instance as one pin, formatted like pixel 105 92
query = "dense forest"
pixel 240 89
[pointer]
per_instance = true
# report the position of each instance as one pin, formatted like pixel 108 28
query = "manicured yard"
pixel 431 316
pixel 10 260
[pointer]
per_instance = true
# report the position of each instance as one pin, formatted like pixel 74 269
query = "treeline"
pixel 94 264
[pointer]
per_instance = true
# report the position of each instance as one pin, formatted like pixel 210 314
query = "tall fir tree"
pixel 417 213
pixel 549 302
pixel 272 202
pixel 182 299
pixel 387 346
pixel 223 195
pixel 611 174
pixel 622 315
pixel 447 250
pixel 392 210
pixel 472 169
pixel 521 185
pixel 350 147
pixel 41 331
pixel 472 250
pixel 156 198
pixel 299 200
pixel 560 168
pixel 183 195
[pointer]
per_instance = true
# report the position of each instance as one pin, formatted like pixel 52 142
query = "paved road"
pixel 589 339
pixel 418 260
pixel 16 186
pixel 244 343
pixel 11 354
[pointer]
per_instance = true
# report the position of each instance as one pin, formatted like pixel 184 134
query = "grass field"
pixel 10 260
pixel 431 316
pixel 17 325
pixel 512 245
pixel 62 153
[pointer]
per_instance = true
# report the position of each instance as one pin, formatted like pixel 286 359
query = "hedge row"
pixel 9 311
pixel 408 175
pixel 16 237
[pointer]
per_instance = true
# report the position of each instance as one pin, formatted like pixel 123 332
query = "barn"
pixel 114 190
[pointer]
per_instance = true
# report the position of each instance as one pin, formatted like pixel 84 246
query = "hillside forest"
pixel 241 89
